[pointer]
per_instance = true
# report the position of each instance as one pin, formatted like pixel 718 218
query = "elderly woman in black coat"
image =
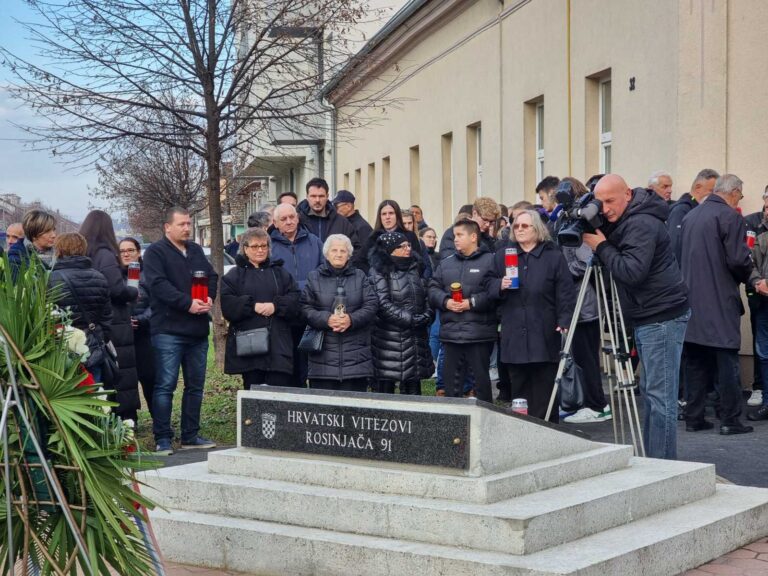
pixel 340 300
pixel 534 316
pixel 400 336
pixel 259 293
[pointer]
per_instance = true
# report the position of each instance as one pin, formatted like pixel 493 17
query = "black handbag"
pixel 102 353
pixel 571 387
pixel 312 340
pixel 254 342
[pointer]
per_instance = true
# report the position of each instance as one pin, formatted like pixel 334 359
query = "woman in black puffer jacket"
pixel 103 251
pixel 82 289
pixel 400 337
pixel 345 361
pixel 258 293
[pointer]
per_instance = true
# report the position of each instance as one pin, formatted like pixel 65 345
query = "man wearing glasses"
pixel 485 212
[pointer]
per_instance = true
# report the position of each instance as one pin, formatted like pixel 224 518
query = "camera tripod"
pixel 617 362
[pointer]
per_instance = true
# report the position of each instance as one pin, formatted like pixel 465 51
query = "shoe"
pixel 470 394
pixel 588 416
pixel 681 404
pixel 699 426
pixel 735 429
pixel 163 447
pixel 759 414
pixel 440 392
pixel 756 399
pixel 199 442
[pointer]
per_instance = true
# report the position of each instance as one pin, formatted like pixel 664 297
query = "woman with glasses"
pixel 400 339
pixel 536 314
pixel 104 252
pixel 259 293
pixel 141 313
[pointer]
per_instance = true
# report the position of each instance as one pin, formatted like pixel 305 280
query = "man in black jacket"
pixel 485 212
pixel 319 216
pixel 344 202
pixel 634 247
pixel 179 326
pixel 715 262
pixel 701 188
pixel 468 324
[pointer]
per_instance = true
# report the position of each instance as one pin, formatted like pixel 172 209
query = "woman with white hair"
pixel 534 315
pixel 339 300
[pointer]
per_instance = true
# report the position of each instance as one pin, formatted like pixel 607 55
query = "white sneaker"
pixel 587 416
pixel 756 399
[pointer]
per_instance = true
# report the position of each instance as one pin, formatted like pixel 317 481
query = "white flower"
pixel 76 341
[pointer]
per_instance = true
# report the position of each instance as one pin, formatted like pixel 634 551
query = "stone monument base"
pixel 521 499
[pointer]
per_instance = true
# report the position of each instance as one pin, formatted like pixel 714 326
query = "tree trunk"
pixel 213 160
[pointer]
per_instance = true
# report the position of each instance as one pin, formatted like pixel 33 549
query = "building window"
pixel 474 162
pixel 606 138
pixel 385 178
pixel 371 189
pixel 346 180
pixel 447 177
pixel 415 175
pixel 540 142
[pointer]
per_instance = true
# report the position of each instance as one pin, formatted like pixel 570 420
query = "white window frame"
pixel 479 155
pixel 539 141
pixel 606 136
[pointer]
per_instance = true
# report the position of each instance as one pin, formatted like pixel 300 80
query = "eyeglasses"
pixel 258 246
pixel 521 226
pixel 405 245
pixel 489 222
pixel 128 251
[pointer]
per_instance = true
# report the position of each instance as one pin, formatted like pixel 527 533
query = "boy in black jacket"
pixel 179 327
pixel 468 325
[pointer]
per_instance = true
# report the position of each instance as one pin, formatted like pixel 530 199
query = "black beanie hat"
pixel 390 241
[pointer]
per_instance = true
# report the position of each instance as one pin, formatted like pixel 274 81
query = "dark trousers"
pixel 349 385
pixel 535 382
pixel 712 366
pixel 257 377
pixel 755 304
pixel 145 365
pixel 585 350
pixel 300 359
pixel 459 358
pixel 410 387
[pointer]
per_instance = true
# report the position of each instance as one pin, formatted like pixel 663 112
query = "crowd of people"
pixel 318 297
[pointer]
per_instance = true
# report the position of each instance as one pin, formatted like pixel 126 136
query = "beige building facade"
pixel 488 96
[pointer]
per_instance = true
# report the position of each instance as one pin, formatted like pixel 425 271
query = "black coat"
pixel 241 288
pixel 121 296
pixel 91 289
pixel 401 335
pixel 447 246
pixel 330 223
pixel 345 355
pixel 715 261
pixel 677 212
pixel 168 274
pixel 639 255
pixel 362 227
pixel 531 314
pixel 475 273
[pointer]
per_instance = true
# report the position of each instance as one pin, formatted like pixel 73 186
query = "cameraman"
pixel 634 246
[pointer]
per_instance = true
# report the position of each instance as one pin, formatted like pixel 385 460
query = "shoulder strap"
pixel 83 311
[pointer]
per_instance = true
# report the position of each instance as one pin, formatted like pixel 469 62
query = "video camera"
pixel 577 216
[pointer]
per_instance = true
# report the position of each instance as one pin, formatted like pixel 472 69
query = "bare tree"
pixel 238 72
pixel 144 179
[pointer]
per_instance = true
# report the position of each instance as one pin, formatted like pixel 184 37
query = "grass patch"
pixel 218 414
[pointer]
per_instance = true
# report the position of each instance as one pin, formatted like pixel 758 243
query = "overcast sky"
pixel 33 175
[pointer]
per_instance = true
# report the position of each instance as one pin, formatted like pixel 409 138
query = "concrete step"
pixel 519 525
pixel 666 543
pixel 379 478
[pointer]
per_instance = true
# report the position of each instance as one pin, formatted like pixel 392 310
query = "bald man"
pixel 13 234
pixel 634 247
